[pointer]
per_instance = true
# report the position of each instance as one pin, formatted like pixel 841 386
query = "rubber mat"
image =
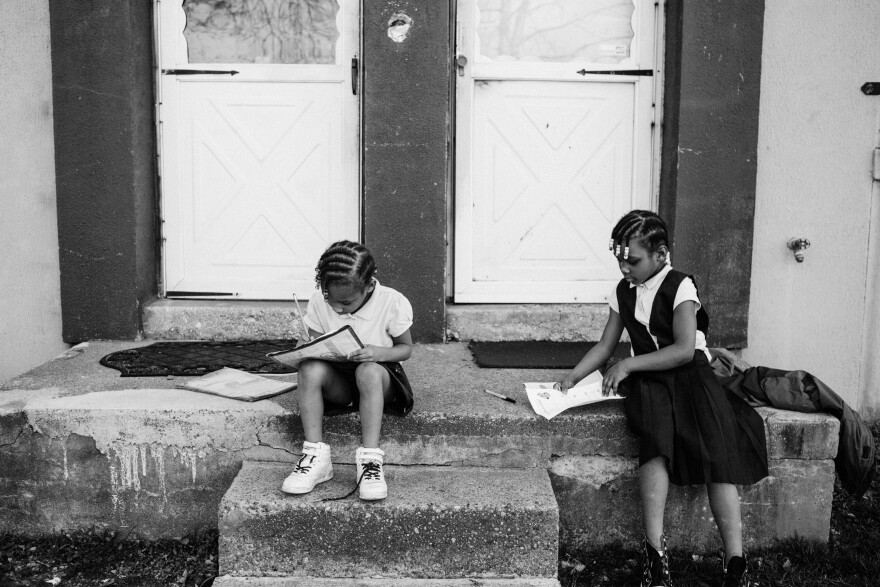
pixel 535 354
pixel 198 358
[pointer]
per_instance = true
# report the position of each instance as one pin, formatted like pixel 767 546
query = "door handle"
pixel 198 72
pixel 355 70
pixel 461 63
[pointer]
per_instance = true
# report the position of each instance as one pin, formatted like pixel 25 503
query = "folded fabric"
pixel 800 391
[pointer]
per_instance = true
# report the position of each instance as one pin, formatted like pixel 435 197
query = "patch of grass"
pixel 101 557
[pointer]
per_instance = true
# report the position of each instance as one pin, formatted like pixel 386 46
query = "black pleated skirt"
pixel 401 402
pixel 707 434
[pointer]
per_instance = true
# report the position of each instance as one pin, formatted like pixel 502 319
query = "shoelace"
pixel 303 469
pixel 371 471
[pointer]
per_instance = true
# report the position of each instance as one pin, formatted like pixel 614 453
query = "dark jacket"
pixel 802 392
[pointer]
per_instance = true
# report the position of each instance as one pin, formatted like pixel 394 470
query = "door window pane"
pixel 261 31
pixel 595 31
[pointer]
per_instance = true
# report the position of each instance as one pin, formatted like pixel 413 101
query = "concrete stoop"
pixel 437 523
pixel 79 446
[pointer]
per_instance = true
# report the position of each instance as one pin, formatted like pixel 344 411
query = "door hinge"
pixel 355 71
pixel 876 170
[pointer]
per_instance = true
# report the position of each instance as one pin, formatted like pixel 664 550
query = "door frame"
pixel 656 140
pixel 180 44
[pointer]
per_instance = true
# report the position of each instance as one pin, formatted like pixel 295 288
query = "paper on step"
pixel 549 402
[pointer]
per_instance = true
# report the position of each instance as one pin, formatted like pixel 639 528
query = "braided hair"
pixel 646 227
pixel 345 262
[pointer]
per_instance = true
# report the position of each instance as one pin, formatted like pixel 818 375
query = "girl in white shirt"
pixel 373 382
pixel 692 432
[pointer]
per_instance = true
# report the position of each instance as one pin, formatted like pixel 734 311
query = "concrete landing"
pixel 80 445
pixel 437 522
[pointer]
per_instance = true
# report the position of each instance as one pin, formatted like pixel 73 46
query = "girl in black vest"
pixel 692 432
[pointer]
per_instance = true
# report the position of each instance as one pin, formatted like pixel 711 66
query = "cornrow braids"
pixel 644 226
pixel 345 262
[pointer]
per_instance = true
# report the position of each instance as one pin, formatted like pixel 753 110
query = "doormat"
pixel 535 354
pixel 198 358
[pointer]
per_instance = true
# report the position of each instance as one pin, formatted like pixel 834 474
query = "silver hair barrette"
pixel 611 245
pixel 626 252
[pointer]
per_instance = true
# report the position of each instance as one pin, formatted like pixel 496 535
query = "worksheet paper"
pixel 335 346
pixel 549 402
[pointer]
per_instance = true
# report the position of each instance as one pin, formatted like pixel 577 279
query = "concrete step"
pixel 499 322
pixel 257 320
pixel 437 523
pixel 230 581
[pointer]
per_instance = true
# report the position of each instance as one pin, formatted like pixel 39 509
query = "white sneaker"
pixel 370 475
pixel 313 467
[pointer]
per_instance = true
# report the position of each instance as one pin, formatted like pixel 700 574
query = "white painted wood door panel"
pixel 547 158
pixel 260 170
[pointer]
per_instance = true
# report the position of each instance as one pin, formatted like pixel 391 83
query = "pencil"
pixel 301 319
pixel 504 397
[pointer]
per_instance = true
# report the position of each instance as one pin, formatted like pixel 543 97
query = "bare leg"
pixel 374 386
pixel 316 382
pixel 653 486
pixel 724 502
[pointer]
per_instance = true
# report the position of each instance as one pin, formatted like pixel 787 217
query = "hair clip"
pixel 611 245
pixel 626 252
pixel 617 251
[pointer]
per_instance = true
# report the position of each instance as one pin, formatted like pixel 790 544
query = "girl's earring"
pixel 668 258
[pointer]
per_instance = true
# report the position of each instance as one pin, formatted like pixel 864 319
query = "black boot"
pixel 656 573
pixel 736 574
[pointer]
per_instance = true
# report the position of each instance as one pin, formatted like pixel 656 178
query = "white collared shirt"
pixel 645 294
pixel 386 314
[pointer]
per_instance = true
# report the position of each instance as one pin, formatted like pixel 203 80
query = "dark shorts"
pixel 401 402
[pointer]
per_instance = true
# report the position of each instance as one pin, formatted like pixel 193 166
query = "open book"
pixel 333 346
pixel 236 384
pixel 549 402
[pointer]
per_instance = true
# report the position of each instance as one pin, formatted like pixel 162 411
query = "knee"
pixel 369 378
pixel 312 374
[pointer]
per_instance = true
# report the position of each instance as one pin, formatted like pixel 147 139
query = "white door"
pixel 259 168
pixel 554 142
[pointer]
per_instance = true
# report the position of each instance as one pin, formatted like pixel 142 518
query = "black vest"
pixel 661 314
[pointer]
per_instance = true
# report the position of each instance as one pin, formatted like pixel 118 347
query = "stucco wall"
pixel 816 135
pixel 30 307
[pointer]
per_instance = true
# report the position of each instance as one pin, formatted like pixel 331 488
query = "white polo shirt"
pixel 387 313
pixel 645 294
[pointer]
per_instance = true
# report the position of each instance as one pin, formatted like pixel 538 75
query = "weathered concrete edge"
pixel 230 581
pixel 166 319
pixel 71 461
pixel 499 322
pixel 221 320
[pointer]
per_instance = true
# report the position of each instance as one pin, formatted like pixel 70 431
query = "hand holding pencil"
pixel 302 319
